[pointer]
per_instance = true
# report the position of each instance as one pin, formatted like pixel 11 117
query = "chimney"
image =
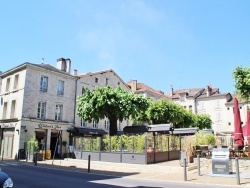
pixel 171 91
pixel 134 85
pixel 208 90
pixel 75 72
pixel 68 65
pixel 64 65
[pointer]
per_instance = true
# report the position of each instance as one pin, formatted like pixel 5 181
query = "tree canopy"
pixel 164 111
pixel 112 103
pixel 241 76
pixel 203 121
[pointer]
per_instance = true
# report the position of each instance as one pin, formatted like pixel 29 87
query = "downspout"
pixel 74 117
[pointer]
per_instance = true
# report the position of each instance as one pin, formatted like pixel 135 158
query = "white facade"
pixel 215 107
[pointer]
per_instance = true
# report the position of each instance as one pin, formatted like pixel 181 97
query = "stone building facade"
pixel 36 99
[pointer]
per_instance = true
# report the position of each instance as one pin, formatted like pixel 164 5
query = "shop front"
pixel 7 139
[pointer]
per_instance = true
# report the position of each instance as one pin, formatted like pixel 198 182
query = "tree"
pixel 188 119
pixel 165 111
pixel 112 103
pixel 242 81
pixel 203 121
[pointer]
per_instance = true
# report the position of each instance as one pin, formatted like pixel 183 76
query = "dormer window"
pixel 182 97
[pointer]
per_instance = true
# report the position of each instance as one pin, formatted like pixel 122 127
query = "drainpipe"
pixel 74 117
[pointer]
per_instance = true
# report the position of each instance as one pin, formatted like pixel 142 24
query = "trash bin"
pixel 220 161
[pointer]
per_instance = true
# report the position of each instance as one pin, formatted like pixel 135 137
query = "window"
pixel 13 109
pixel 217 104
pixel 182 97
pixel 202 105
pixel 96 80
pixel 217 116
pixel 118 83
pixel 219 128
pixel 41 110
pixel 44 83
pixel 4 110
pixel 7 85
pixel 190 108
pixel 106 124
pixel 83 123
pixel 229 123
pixel 107 81
pixel 60 87
pixel 95 125
pixel 16 81
pixel 58 112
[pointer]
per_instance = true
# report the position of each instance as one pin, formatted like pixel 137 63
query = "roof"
pixel 102 72
pixel 43 66
pixel 191 92
pixel 141 87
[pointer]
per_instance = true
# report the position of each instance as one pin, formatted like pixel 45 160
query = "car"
pixel 5 180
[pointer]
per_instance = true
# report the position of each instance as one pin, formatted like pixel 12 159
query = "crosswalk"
pixel 2 163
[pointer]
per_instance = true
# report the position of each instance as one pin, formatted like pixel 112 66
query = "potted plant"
pixel 32 147
pixel 189 147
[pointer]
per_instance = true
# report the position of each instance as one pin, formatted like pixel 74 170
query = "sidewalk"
pixel 166 171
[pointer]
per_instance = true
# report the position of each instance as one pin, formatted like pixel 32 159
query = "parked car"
pixel 5 180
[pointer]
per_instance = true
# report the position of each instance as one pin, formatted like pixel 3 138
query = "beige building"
pixel 36 99
pixel 91 80
pixel 206 101
pixel 145 90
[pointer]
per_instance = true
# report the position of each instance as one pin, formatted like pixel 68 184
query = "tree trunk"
pixel 113 126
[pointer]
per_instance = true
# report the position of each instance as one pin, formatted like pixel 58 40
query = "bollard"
pixel 185 169
pixel 237 171
pixel 89 164
pixel 35 159
pixel 198 165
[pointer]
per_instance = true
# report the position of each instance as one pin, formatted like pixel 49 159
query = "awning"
pixel 185 131
pixel 81 131
pixel 138 129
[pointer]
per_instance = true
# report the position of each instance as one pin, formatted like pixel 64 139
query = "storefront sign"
pixel 8 125
pixel 44 126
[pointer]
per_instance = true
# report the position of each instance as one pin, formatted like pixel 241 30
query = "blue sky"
pixel 183 43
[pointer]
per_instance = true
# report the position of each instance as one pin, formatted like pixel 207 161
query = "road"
pixel 25 176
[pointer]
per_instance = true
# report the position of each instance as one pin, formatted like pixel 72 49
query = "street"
pixel 26 175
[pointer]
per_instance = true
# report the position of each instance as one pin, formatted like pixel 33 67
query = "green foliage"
pixel 242 81
pixel 112 103
pixel 188 119
pixel 204 139
pixel 32 145
pixel 164 111
pixel 203 121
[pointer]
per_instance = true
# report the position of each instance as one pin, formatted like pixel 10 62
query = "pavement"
pixel 164 171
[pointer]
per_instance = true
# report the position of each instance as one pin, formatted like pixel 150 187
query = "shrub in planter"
pixel 32 145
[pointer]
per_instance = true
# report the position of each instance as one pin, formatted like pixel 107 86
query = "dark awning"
pixel 81 131
pixel 135 129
